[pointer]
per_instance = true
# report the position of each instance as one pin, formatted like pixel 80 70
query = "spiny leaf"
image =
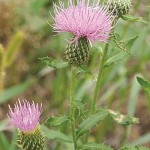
pixel 54 63
pixel 56 121
pixel 134 19
pixel 94 146
pixel 123 119
pixel 56 135
pixel 144 83
pixel 90 122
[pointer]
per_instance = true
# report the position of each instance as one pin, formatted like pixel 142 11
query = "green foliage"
pixel 90 122
pixel 56 135
pixel 54 63
pixel 135 148
pixel 134 19
pixel 94 146
pixel 56 121
pixel 144 83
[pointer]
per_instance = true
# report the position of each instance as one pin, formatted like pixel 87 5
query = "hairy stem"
pixel 72 109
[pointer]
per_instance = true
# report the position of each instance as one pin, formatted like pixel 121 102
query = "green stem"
pixel 72 109
pixel 97 90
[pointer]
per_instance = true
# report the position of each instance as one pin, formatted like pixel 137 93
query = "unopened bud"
pixel 119 7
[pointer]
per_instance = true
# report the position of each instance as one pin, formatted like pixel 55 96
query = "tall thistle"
pixel 87 22
pixel 26 118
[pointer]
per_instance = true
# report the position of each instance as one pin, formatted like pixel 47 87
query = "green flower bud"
pixel 119 7
pixel 78 51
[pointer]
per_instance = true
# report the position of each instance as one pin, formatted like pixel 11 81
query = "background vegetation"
pixel 25 36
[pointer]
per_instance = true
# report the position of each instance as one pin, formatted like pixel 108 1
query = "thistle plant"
pixel 88 22
pixel 26 117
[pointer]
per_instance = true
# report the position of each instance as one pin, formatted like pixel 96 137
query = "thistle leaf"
pixel 144 83
pixel 90 122
pixel 56 135
pixel 94 146
pixel 56 121
pixel 123 119
pixel 118 57
pixel 134 19
pixel 54 63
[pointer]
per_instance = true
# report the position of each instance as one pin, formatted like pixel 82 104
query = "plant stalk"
pixel 97 90
pixel 72 109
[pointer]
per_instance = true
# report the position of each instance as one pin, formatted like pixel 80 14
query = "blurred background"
pixel 26 36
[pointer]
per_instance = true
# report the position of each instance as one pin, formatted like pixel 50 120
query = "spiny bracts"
pixel 31 140
pixel 77 52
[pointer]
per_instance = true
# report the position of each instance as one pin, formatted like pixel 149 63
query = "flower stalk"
pixel 97 90
pixel 72 109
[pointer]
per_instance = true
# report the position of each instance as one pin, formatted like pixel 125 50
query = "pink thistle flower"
pixel 93 22
pixel 25 116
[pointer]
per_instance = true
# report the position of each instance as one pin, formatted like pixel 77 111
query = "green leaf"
pixel 94 146
pixel 14 91
pixel 144 83
pixel 54 63
pixel 115 58
pixel 86 70
pixel 56 121
pixel 90 122
pixel 135 148
pixel 56 135
pixel 129 42
pixel 123 119
pixel 121 44
pixel 80 106
pixel 134 19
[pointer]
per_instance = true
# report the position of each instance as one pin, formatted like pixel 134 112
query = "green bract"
pixel 77 52
pixel 31 141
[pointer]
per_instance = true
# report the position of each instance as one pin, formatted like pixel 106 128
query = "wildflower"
pixel 26 117
pixel 119 7
pixel 88 23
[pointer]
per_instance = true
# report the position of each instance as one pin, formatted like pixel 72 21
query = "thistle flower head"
pixel 119 7
pixel 83 20
pixel 25 116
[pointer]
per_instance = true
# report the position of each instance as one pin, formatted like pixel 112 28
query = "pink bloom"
pixel 93 22
pixel 25 116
